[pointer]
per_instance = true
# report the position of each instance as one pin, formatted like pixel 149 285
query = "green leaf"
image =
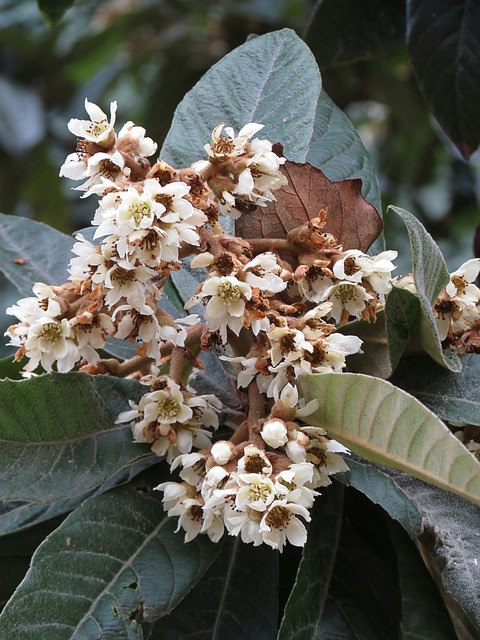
pixel 363 601
pixel 382 490
pixel 402 317
pixel 11 369
pixel 431 276
pixel 337 149
pixel 443 39
pixel 303 612
pixel 452 396
pixel 346 30
pixel 424 615
pixel 113 563
pixel 374 360
pixel 13 570
pixel 18 516
pixel 60 440
pixel 15 553
pixel 450 543
pixel 271 79
pixel 386 425
pixel 32 252
pixel 53 10
pixel 236 599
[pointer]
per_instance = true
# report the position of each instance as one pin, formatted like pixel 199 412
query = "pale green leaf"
pixel 386 425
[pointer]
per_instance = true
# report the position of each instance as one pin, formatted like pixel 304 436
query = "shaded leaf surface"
pixel 351 219
pixel 237 599
pixel 375 358
pixel 346 30
pixel 60 440
pixel 431 276
pixel 424 615
pixel 46 253
pixel 114 562
pixel 451 538
pixel 271 79
pixel 364 601
pixel 381 489
pixel 452 396
pixel 20 515
pixel 402 318
pixel 386 425
pixel 337 149
pixel 303 612
pixel 54 9
pixel 443 39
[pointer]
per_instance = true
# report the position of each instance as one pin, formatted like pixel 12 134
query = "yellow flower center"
pixel 229 292
pixel 51 332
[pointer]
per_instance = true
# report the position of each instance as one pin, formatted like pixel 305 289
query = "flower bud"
pixel 222 452
pixel 274 433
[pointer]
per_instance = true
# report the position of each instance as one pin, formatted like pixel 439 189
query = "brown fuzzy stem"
pixel 176 364
pixel 259 245
pixel 257 411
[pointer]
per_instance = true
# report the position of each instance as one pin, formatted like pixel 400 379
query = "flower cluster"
pixel 171 419
pixel 240 172
pixel 260 494
pixel 280 308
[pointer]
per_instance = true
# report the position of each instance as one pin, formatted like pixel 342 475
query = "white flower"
pixel 132 139
pixel 171 421
pixel 256 492
pixel 324 455
pixel 461 279
pixel 240 170
pixel 248 372
pixel 313 284
pixel 290 400
pixel 97 129
pixel 280 523
pixel 193 465
pixel 355 266
pixel 287 345
pixel 346 296
pixel 123 280
pixel 229 146
pixel 290 484
pixel 47 342
pixel 102 170
pixel 254 460
pixel 226 305
pixel 262 272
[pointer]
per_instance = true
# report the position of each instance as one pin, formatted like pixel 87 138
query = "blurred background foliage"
pixel 147 54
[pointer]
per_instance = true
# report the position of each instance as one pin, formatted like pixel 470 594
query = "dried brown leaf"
pixel 351 219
